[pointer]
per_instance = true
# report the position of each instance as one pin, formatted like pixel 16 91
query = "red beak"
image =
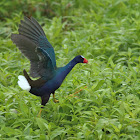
pixel 85 61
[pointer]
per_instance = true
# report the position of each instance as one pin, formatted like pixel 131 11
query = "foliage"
pixel 104 32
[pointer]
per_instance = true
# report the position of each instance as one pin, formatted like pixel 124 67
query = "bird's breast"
pixel 50 86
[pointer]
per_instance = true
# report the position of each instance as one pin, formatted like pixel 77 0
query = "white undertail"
pixel 23 83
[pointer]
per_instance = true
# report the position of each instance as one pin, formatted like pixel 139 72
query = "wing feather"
pixel 33 43
pixel 39 61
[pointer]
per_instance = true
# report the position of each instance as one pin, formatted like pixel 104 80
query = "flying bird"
pixel 32 42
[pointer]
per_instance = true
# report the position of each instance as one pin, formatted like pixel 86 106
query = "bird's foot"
pixel 56 101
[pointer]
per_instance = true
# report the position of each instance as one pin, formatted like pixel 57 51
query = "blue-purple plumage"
pixel 53 84
pixel 33 43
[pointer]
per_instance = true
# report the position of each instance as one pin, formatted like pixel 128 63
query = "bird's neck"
pixel 70 65
pixel 66 69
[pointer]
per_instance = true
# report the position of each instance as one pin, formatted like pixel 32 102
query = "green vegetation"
pixel 106 33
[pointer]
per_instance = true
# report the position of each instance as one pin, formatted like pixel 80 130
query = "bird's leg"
pixel 39 114
pixel 44 100
pixel 56 101
pixel 77 92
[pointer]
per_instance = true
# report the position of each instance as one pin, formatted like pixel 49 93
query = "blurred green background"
pixel 106 33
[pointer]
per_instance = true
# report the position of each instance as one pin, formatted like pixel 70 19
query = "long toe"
pixel 56 101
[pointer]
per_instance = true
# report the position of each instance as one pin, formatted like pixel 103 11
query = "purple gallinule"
pixel 33 43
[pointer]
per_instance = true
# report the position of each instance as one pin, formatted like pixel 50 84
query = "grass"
pixel 107 34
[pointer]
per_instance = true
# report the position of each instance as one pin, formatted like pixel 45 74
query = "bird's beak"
pixel 85 61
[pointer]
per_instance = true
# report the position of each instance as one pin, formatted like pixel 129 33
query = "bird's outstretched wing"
pixel 33 43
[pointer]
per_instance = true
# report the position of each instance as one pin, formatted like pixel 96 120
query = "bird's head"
pixel 80 59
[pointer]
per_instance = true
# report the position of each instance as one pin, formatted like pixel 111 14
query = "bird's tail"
pixel 23 82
